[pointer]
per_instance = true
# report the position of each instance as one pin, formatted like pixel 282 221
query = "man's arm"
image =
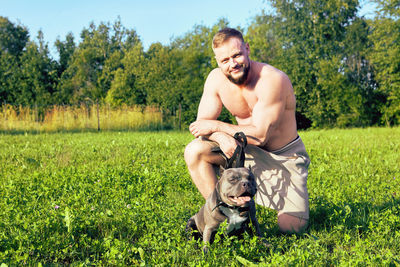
pixel 210 104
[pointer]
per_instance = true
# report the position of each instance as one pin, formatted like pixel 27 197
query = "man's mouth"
pixel 236 70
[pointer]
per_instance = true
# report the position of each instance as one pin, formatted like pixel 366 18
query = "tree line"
pixel 344 67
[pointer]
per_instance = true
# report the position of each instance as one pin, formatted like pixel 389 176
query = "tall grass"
pixel 69 118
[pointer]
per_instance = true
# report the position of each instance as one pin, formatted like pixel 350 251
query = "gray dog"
pixel 231 199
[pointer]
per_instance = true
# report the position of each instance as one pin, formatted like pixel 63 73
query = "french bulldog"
pixel 232 199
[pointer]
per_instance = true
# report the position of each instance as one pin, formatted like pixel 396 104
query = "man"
pixel 262 100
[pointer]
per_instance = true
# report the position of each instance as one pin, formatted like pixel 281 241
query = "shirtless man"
pixel 262 100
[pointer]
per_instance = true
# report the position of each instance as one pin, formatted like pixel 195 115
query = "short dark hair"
pixel 225 34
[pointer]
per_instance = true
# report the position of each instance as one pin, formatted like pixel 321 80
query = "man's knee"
pixel 194 151
pixel 291 224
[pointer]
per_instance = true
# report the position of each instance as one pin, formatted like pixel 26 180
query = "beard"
pixel 240 80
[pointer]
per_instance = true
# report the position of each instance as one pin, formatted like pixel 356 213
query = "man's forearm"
pixel 217 136
pixel 250 131
pixel 207 127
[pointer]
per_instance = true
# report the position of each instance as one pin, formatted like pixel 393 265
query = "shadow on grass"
pixel 326 215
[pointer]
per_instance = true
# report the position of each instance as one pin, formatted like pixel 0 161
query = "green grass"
pixel 115 198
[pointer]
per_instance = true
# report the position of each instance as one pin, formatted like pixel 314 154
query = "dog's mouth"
pixel 242 199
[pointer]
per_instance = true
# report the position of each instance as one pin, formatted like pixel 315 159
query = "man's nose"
pixel 232 63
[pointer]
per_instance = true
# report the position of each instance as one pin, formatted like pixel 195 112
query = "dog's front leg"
pixel 208 236
pixel 256 225
pixel 254 220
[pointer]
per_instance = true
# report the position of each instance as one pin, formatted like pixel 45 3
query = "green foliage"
pixel 262 38
pixel 385 56
pixel 36 83
pixel 92 67
pixel 125 87
pixel 315 43
pixel 65 50
pixel 13 38
pixel 123 198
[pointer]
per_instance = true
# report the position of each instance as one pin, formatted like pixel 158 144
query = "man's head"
pixel 232 54
pixel 225 34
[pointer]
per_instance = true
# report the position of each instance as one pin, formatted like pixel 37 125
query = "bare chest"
pixel 239 103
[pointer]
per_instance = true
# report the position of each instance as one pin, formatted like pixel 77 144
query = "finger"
pixel 229 154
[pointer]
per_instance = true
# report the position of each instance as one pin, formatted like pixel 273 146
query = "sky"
pixel 153 20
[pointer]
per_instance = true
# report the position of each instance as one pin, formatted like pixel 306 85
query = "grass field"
pixel 123 198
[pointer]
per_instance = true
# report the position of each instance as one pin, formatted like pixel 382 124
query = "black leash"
pixel 238 157
pixel 236 161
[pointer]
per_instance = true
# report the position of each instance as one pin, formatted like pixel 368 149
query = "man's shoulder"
pixel 270 72
pixel 272 80
pixel 216 74
pixel 215 78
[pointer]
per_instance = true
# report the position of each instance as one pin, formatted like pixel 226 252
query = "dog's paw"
pixel 190 225
pixel 191 230
pixel 205 249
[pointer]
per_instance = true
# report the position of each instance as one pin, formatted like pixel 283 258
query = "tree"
pixel 37 75
pixel 311 37
pixel 9 78
pixel 95 61
pixel 127 85
pixel 159 77
pixel 65 51
pixel 65 89
pixel 385 57
pixel 262 38
pixel 13 39
pixel 360 76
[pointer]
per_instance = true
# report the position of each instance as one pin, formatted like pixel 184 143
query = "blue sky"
pixel 153 20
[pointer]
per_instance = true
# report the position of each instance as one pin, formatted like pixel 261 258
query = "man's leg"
pixel 291 224
pixel 201 161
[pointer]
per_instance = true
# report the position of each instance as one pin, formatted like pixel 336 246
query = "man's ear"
pixel 248 48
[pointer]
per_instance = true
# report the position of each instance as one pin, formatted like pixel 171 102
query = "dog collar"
pixel 223 204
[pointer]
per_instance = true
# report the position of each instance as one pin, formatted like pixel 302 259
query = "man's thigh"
pixel 281 181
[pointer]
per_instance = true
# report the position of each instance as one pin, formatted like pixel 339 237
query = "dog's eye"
pixel 234 179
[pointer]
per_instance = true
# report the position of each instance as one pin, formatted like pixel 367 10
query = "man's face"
pixel 233 59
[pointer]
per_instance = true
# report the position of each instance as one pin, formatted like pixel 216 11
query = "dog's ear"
pixel 221 170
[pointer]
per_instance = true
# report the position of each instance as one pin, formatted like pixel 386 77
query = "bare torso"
pixel 240 102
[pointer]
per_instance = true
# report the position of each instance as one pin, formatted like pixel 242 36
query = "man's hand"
pixel 226 142
pixel 203 127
